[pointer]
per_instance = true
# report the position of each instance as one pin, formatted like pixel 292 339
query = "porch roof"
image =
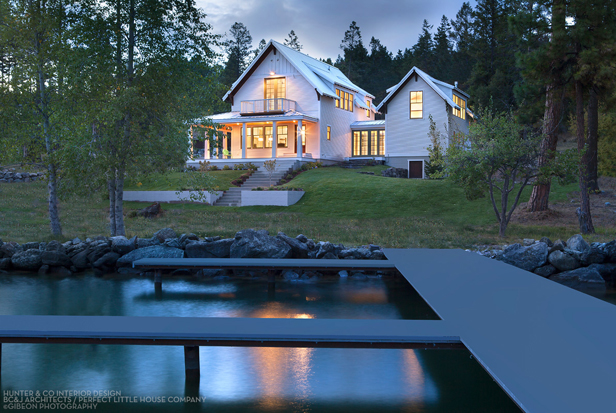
pixel 368 124
pixel 235 117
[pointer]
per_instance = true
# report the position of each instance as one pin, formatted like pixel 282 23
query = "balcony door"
pixel 275 91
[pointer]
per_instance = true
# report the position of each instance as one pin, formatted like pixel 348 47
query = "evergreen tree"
pixel 237 47
pixel 423 50
pixel 443 69
pixel 380 75
pixel 260 47
pixel 293 42
pixel 463 38
pixel 355 55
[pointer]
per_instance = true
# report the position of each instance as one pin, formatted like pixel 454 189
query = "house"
pixel 407 109
pixel 289 106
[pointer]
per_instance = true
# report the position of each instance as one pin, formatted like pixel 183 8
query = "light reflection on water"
pixel 242 379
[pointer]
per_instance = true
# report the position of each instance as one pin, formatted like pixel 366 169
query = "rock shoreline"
pixel 10 176
pixel 106 255
pixel 574 263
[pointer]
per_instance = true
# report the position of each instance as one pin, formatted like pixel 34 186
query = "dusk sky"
pixel 320 24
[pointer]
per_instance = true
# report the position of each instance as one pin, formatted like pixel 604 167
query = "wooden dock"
pixel 550 348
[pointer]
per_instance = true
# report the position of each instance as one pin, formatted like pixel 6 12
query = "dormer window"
pixel 461 113
pixel 368 110
pixel 346 100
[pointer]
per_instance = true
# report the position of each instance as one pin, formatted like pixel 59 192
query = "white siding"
pixel 340 120
pixel 405 136
pixel 298 89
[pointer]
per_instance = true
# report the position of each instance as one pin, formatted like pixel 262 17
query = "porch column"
pixel 299 139
pixel 220 144
pixel 206 148
pixel 274 139
pixel 244 140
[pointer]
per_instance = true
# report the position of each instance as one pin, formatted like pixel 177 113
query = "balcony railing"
pixel 266 106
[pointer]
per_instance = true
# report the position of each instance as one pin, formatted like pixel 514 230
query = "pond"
pixel 241 379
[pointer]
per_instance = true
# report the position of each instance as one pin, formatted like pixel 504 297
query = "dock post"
pixel 191 361
pixel 271 277
pixel 158 280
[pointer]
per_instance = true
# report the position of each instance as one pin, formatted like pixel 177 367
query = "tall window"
pixel 368 143
pixel 346 100
pixel 282 136
pixel 416 105
pixel 275 88
pixel 269 138
pixel 368 110
pixel 356 143
pixel 374 143
pixel 381 142
pixel 329 133
pixel 461 113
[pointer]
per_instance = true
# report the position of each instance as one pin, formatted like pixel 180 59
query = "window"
pixel 257 138
pixel 368 143
pixel 269 138
pixel 461 113
pixel 282 136
pixel 275 88
pixel 346 100
pixel 416 105
pixel 368 110
pixel 329 133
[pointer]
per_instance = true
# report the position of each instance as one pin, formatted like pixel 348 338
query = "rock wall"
pixel 9 175
pixel 574 262
pixel 116 254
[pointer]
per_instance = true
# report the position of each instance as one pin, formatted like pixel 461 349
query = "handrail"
pixel 278 105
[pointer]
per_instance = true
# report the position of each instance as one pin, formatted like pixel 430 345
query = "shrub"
pixel 244 177
pixel 226 168
pixel 251 166
pixel 258 188
pixel 204 166
pixel 237 182
pixel 239 166
pixel 213 168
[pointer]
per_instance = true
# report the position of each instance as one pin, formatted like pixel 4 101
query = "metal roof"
pixel 368 124
pixel 236 117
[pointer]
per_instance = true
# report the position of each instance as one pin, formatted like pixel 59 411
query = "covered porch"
pixel 291 135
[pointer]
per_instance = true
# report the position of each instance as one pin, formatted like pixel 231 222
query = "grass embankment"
pixel 176 181
pixel 340 205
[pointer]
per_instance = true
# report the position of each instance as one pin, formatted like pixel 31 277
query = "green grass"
pixel 340 205
pixel 175 181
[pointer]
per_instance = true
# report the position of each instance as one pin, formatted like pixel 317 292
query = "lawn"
pixel 175 181
pixel 340 205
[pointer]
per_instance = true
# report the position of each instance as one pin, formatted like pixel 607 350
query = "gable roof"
pixel 393 91
pixel 320 75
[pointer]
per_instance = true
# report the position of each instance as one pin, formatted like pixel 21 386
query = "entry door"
pixel 229 143
pixel 416 169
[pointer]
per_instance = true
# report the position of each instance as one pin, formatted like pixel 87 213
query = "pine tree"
pixel 355 55
pixel 423 50
pixel 463 38
pixel 443 69
pixel 237 47
pixel 293 42
pixel 260 47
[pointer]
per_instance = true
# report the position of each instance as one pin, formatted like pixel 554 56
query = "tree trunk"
pixel 112 206
pixel 551 119
pixel 583 212
pixel 119 203
pixel 593 137
pixel 52 188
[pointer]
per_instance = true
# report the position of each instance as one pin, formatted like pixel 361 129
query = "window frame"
pixel 279 134
pixel 411 104
pixel 329 133
pixel 345 100
pixel 461 113
pixel 276 81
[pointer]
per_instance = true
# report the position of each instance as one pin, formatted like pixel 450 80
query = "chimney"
pixel 455 83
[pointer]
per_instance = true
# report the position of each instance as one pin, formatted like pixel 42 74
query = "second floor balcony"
pixel 266 106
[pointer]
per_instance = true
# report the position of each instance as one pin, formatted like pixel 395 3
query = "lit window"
pixel 345 101
pixel 356 141
pixel 461 113
pixel 368 110
pixel 329 133
pixel 282 136
pixel 269 138
pixel 382 142
pixel 364 142
pixel 257 138
pixel 417 105
pixel 374 142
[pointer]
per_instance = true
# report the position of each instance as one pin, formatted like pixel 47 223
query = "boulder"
pixel 30 246
pixel 56 259
pixel 343 274
pixel 289 275
pixel 577 243
pixel 324 248
pixel 373 247
pixel 156 251
pixel 121 245
pixel 563 261
pixel 147 242
pixel 527 242
pixel 593 255
pixel 108 260
pixel 558 245
pixel 610 251
pixel 302 238
pixel 151 211
pixel 298 248
pixel 5 263
pixel 185 238
pixel 9 248
pixel 547 241
pixel 546 270
pixel 330 256
pixel 97 250
pixel 29 260
pixel 80 260
pixel 172 242
pixel 581 278
pixel 377 255
pixel 526 258
pixel 249 243
pixel 395 173
pixel 607 271
pixel 164 234
pixel 311 245
pixel 216 249
pixel 55 246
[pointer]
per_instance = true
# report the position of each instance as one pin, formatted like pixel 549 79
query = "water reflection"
pixel 241 379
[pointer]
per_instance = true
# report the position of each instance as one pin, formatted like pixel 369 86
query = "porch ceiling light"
pixel 272 73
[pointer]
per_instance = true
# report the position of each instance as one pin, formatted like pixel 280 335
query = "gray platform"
pixel 551 348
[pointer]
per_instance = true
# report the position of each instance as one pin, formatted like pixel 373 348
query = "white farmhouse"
pixel 289 106
pixel 408 107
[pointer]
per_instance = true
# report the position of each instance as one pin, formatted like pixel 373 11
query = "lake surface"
pixel 241 379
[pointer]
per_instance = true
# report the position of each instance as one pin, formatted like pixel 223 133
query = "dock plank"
pixel 551 348
pixel 262 263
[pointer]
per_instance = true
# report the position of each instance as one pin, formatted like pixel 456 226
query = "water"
pixel 241 379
